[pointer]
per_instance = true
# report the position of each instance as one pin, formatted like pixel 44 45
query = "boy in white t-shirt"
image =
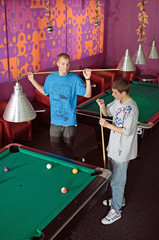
pixel 122 146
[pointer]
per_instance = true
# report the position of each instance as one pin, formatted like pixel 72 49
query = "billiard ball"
pixel 6 169
pixel 75 170
pixel 48 166
pixel 63 190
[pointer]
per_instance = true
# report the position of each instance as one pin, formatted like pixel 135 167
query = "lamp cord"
pixel 66 23
pixel 129 23
pixel 155 25
pixel 15 33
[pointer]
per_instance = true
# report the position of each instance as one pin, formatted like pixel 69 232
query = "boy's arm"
pixel 87 75
pixel 88 89
pixel 35 83
pixel 110 126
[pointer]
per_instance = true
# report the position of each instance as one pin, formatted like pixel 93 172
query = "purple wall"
pixel 74 33
pixel 7 88
pixel 117 39
pixel 26 45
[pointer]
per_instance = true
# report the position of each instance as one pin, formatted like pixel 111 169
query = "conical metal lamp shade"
pixel 153 52
pixel 126 64
pixel 139 57
pixel 18 108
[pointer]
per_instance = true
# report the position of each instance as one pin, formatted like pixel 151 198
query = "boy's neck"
pixel 125 98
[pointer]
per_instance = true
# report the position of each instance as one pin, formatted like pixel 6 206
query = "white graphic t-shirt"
pixel 123 147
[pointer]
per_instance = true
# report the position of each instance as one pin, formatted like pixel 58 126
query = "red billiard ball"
pixel 63 190
pixel 6 169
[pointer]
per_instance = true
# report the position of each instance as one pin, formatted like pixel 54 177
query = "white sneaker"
pixel 109 202
pixel 111 217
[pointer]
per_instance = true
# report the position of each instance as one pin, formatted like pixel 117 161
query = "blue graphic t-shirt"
pixel 63 91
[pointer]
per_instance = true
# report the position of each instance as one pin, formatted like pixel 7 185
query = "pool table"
pixel 145 95
pixel 32 205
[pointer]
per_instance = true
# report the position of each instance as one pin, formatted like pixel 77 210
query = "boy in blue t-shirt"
pixel 63 88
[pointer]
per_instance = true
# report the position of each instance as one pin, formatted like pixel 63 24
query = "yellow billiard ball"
pixel 75 170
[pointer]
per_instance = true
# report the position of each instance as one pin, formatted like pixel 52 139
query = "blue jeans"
pixel 117 182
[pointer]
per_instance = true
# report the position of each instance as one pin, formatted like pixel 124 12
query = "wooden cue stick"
pixel 96 70
pixel 80 70
pixel 103 145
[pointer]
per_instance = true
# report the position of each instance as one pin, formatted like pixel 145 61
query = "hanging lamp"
pixel 18 108
pixel 139 56
pixel 153 51
pixel 126 64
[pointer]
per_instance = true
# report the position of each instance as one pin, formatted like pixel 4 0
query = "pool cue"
pixel 92 70
pixel 96 70
pixel 103 145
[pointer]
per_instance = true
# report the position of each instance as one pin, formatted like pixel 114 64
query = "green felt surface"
pixel 145 95
pixel 31 194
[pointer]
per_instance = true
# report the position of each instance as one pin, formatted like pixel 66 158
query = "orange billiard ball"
pixel 63 189
pixel 75 171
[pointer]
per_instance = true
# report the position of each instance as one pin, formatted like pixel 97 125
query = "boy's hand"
pixel 104 123
pixel 30 76
pixel 100 102
pixel 87 73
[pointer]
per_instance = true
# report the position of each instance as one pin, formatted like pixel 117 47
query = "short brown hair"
pixel 121 84
pixel 64 55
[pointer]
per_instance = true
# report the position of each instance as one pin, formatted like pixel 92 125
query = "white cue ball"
pixel 48 166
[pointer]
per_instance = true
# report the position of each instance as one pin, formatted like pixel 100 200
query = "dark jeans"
pixel 62 139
